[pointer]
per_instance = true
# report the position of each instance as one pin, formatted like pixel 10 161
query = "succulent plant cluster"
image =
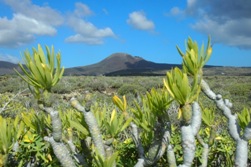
pixel 87 132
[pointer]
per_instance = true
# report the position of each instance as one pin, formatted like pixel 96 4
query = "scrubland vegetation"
pixel 125 121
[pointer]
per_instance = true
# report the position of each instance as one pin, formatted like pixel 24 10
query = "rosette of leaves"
pixel 40 71
pixel 100 161
pixel 11 131
pixel 158 101
pixel 179 87
pixel 244 118
pixel 194 58
pixel 208 117
pixel 117 123
pixel 142 117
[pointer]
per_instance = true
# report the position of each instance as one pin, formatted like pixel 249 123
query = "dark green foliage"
pixel 222 151
pixel 11 84
pixel 130 89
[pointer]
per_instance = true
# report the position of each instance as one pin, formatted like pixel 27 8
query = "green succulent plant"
pixel 244 117
pixel 179 87
pixel 39 70
pixel 194 59
pixel 158 101
pixel 208 117
pixel 117 123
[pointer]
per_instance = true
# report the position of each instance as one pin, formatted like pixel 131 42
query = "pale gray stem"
pixel 188 134
pixel 78 157
pixel 196 118
pixel 233 126
pixel 247 132
pixel 92 125
pixel 140 163
pixel 136 139
pixel 158 149
pixel 205 152
pixel 72 146
pixel 188 145
pixel 206 89
pixel 155 152
pixel 15 147
pixel 56 123
pixel 32 162
pixel 241 154
pixel 171 156
pixel 108 147
pixel 61 152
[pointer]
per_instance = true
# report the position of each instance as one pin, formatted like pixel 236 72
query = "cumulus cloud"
pixel 28 20
pixel 44 14
pixel 82 10
pixel 227 21
pixel 139 21
pixel 9 58
pixel 86 32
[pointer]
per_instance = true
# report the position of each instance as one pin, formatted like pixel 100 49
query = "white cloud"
pixel 86 32
pixel 230 33
pixel 139 21
pixel 227 21
pixel 82 10
pixel 78 38
pixel 43 14
pixel 9 58
pixel 28 20
pixel 175 11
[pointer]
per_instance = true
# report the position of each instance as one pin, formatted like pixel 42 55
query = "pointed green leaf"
pixel 40 76
pixel 126 124
pixel 180 52
pixel 79 127
pixel 41 54
pixel 36 75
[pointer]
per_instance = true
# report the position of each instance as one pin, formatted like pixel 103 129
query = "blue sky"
pixel 86 32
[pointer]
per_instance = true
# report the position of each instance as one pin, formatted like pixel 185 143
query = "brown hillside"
pixel 8 68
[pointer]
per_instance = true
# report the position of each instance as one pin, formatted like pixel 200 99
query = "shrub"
pixel 130 89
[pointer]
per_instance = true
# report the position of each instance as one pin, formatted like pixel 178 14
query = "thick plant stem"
pixel 61 152
pixel 171 156
pixel 205 152
pixel 247 132
pixel 56 123
pixel 138 144
pixel 78 157
pixel 137 140
pixel 59 148
pixel 188 133
pixel 92 125
pixel 140 163
pixel 241 154
pixel 188 145
pixel 156 151
pixel 196 118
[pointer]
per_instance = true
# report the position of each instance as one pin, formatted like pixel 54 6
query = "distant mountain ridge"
pixel 120 64
pixel 7 68
pixel 123 64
